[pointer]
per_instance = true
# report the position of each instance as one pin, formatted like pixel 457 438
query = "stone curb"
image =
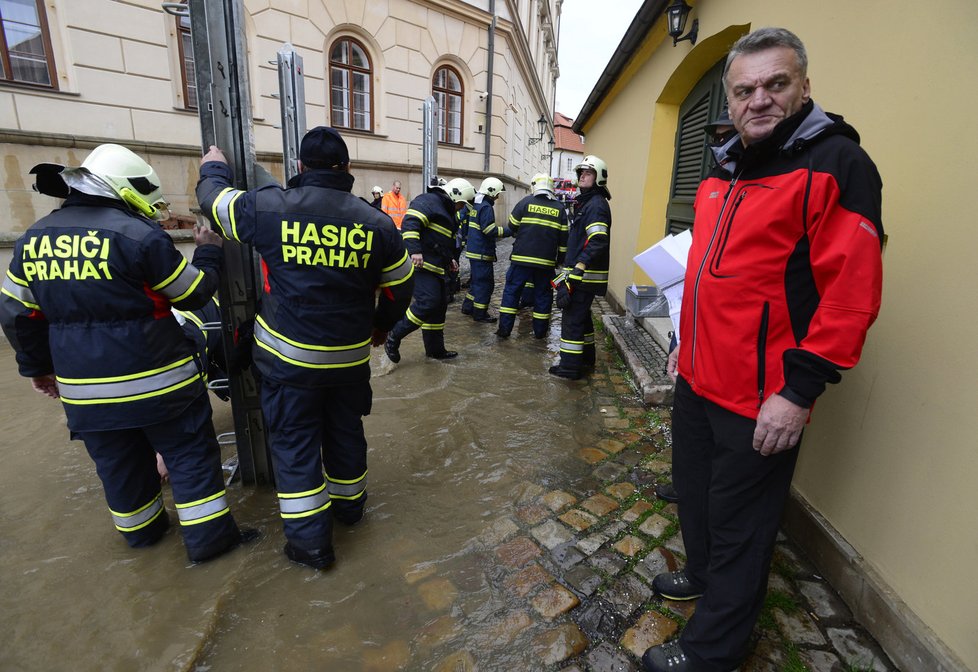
pixel 654 391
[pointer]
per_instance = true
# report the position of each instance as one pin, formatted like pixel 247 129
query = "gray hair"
pixel 763 39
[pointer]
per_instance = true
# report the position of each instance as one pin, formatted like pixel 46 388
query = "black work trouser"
pixel 312 430
pixel 427 311
pixel 125 460
pixel 577 332
pixel 521 282
pixel 730 503
pixel 481 286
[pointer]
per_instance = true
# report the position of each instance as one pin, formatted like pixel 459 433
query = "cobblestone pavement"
pixel 583 557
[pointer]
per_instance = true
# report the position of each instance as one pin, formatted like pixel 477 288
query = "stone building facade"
pixel 77 73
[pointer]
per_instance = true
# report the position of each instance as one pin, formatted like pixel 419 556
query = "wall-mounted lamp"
pixel 550 146
pixel 541 126
pixel 677 13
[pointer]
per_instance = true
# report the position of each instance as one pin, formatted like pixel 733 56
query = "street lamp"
pixel 541 126
pixel 550 146
pixel 677 13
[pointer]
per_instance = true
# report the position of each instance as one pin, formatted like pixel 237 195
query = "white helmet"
pixel 460 190
pixel 129 176
pixel 542 182
pixel 376 190
pixel 598 166
pixel 491 187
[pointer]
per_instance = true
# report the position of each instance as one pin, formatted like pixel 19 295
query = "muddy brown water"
pixel 454 447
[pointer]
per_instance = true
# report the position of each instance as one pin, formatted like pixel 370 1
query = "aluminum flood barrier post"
pixel 217 29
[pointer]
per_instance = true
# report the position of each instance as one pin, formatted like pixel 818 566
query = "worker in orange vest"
pixel 394 204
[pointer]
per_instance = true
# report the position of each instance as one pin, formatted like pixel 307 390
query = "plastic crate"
pixel 639 301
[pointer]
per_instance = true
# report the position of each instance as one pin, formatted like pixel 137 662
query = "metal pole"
pixel 217 31
pixel 489 79
pixel 429 147
pixel 292 100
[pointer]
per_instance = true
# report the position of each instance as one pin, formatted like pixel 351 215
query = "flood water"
pixel 455 448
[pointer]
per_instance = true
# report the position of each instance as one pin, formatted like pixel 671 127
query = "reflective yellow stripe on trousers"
pixel 303 504
pixel 209 508
pixel 351 489
pixel 141 517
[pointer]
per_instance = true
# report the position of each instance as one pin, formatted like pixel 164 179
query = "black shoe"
pixel 216 550
pixel 464 310
pixel 564 372
pixel 666 492
pixel 444 354
pixel 502 334
pixel 348 519
pixel 350 516
pixel 488 319
pixel 321 559
pixel 675 586
pixel 391 347
pixel 668 657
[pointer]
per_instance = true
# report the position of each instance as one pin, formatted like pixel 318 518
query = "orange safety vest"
pixel 395 205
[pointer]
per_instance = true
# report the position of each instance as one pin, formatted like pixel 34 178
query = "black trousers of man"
pixel 731 499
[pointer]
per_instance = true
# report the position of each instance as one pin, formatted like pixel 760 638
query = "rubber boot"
pixel 434 344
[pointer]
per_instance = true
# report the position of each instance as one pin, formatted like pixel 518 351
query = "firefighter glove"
pixel 563 297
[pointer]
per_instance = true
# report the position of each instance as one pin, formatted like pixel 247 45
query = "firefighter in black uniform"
pixel 325 255
pixel 86 305
pixel 429 229
pixel 585 272
pixel 480 249
pixel 540 226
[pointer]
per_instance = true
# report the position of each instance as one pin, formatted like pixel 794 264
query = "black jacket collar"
pixel 316 177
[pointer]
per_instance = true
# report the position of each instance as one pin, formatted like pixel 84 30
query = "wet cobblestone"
pixel 607 536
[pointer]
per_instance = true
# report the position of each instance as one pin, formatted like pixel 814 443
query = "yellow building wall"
pixel 891 457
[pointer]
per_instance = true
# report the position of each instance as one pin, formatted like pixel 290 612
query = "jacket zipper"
pixel 699 273
pixel 726 237
pixel 762 353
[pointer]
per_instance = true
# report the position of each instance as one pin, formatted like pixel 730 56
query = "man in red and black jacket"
pixel 782 283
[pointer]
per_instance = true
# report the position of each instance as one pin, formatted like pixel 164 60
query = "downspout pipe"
pixel 489 78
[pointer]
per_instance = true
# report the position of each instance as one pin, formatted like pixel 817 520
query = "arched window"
pixel 447 90
pixel 25 45
pixel 187 71
pixel 349 85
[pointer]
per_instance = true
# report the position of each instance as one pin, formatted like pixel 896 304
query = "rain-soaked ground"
pixel 455 448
